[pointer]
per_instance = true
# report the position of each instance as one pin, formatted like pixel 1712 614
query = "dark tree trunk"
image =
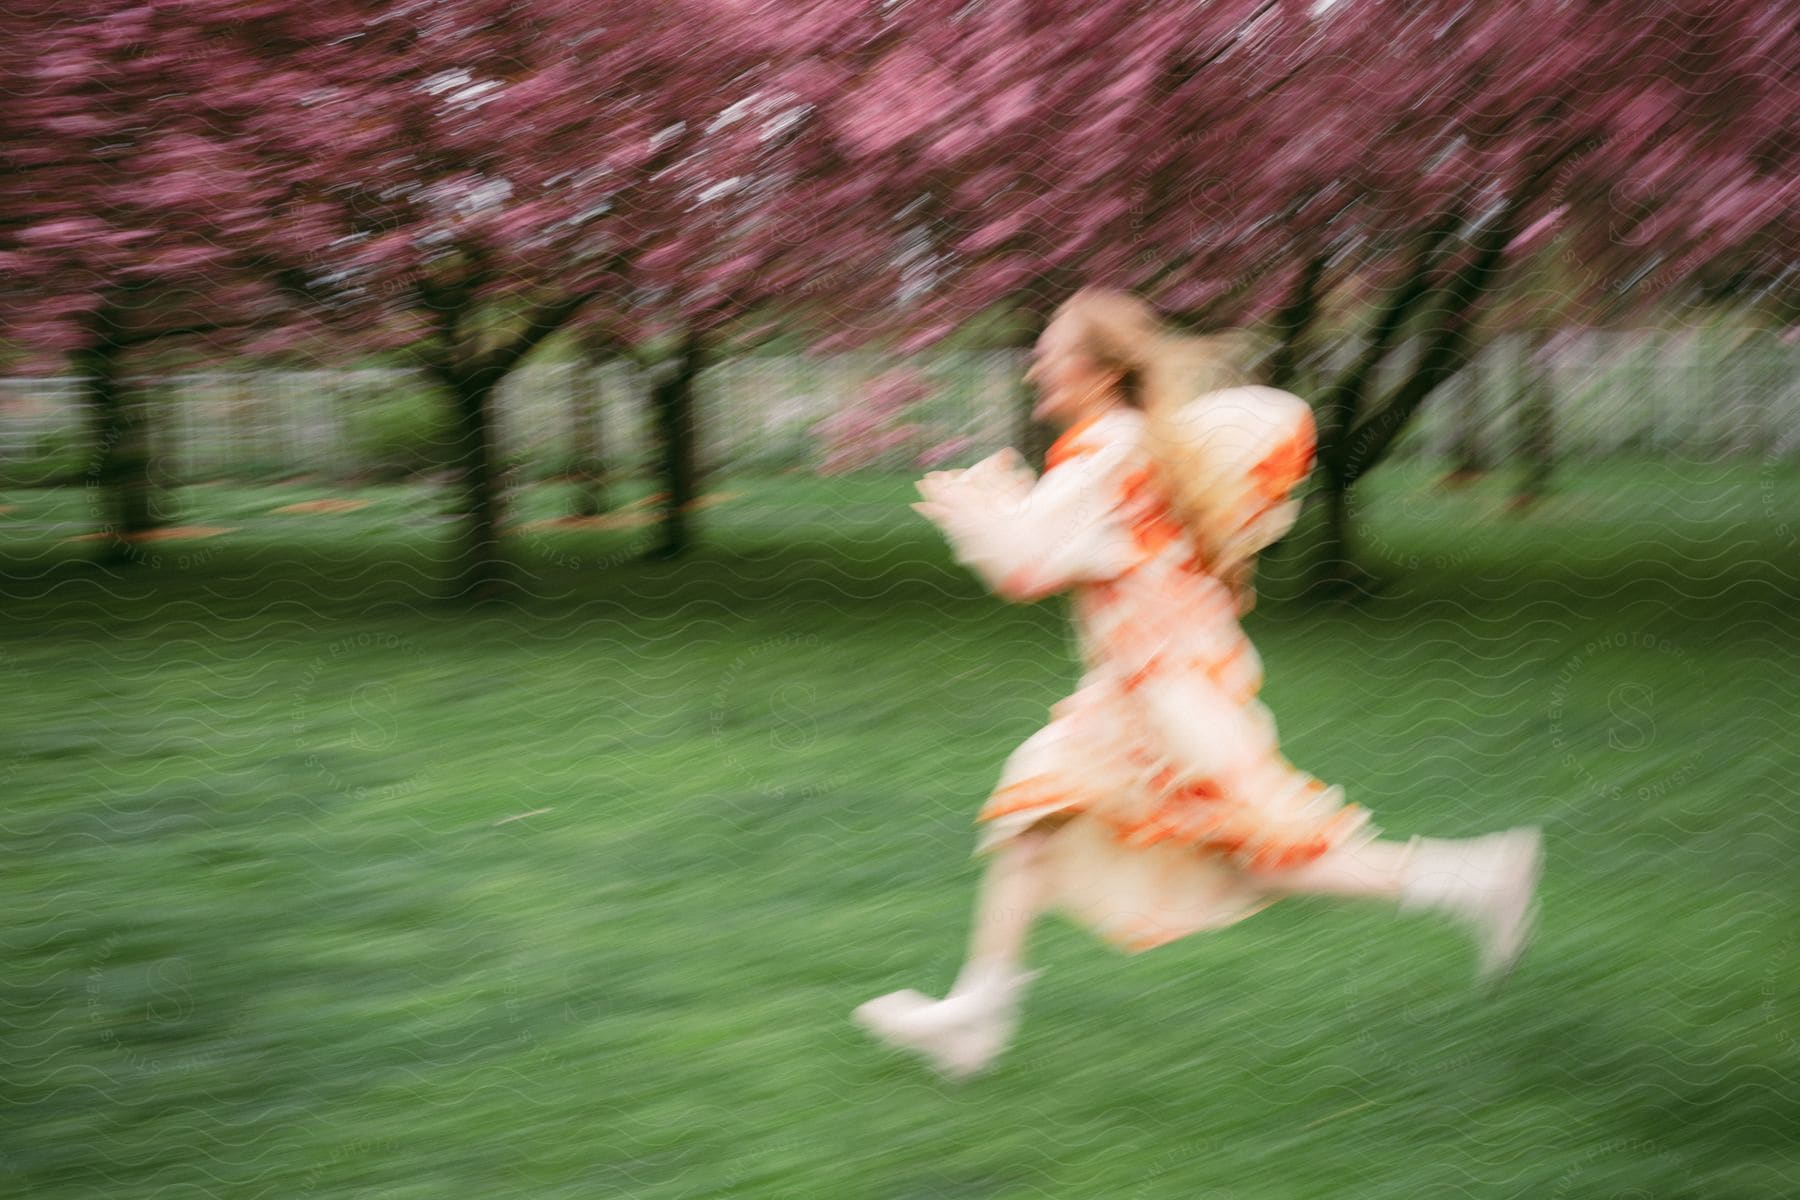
pixel 1342 404
pixel 1335 573
pixel 479 574
pixel 1537 428
pixel 588 467
pixel 469 379
pixel 1293 323
pixel 1034 437
pixel 1350 443
pixel 1334 542
pixel 121 463
pixel 672 400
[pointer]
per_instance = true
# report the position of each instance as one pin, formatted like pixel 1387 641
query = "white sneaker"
pixel 1487 883
pixel 961 1034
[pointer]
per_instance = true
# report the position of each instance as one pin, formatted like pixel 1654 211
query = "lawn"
pixel 317 887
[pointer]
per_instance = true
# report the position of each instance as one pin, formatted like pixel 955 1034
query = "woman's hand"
pixel 997 483
pixel 1029 538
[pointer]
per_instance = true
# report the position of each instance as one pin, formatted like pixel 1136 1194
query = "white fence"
pixel 1678 394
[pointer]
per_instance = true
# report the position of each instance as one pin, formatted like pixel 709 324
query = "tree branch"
pixel 540 323
pixel 1449 349
pixel 1294 320
pixel 1337 408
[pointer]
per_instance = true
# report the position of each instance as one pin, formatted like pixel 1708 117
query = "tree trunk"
pixel 589 468
pixel 469 381
pixel 1335 572
pixel 479 575
pixel 1292 325
pixel 672 398
pixel 1342 402
pixel 1034 436
pixel 121 464
pixel 1537 428
pixel 1031 436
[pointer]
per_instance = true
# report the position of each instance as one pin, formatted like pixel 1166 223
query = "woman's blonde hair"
pixel 1162 370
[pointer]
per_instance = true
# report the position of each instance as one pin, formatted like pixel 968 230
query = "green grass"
pixel 317 887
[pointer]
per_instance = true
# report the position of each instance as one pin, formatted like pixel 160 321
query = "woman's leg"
pixel 1486 883
pixel 1371 871
pixel 1012 896
pixel 964 1031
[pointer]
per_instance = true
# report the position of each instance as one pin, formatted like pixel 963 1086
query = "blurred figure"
pixel 1156 802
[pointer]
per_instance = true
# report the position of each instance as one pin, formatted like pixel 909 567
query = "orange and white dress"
pixel 1162 771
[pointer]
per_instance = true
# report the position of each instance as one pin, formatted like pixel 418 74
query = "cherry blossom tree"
pixel 457 180
pixel 127 222
pixel 747 260
pixel 520 162
pixel 465 179
pixel 1260 163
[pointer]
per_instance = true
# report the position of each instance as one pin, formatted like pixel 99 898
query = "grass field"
pixel 316 887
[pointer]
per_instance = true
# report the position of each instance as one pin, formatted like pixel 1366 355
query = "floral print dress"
pixel 1160 777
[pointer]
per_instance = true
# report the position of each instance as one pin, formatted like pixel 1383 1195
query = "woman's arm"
pixel 1029 540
